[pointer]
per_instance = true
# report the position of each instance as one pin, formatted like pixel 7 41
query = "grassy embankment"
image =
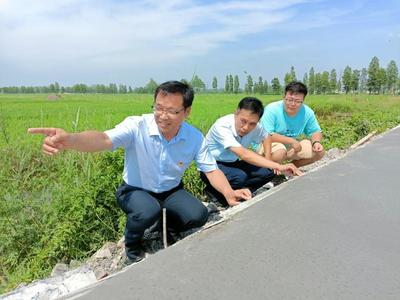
pixel 63 208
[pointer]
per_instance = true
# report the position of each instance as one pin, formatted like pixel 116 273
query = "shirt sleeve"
pixel 261 134
pixel 204 160
pixel 268 119
pixel 224 136
pixel 123 135
pixel 312 125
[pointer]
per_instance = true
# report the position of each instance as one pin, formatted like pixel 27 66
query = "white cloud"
pixel 275 49
pixel 394 35
pixel 127 32
pixel 100 40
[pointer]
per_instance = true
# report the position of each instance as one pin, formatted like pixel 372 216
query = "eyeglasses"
pixel 294 101
pixel 169 112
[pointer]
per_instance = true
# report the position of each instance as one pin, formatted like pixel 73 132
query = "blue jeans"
pixel 240 174
pixel 143 208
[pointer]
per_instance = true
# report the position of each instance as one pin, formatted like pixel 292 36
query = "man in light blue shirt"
pixel 158 149
pixel 288 120
pixel 228 141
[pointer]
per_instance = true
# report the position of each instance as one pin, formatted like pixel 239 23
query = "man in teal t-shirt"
pixel 288 120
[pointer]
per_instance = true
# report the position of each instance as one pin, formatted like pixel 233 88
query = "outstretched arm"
pixel 260 161
pixel 58 139
pixel 267 145
pixel 221 184
pixel 278 138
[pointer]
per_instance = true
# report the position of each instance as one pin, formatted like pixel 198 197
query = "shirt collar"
pixel 151 125
pixel 183 133
pixel 232 124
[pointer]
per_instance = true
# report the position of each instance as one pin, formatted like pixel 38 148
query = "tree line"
pixel 374 80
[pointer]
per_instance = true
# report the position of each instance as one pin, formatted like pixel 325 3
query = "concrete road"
pixel 332 234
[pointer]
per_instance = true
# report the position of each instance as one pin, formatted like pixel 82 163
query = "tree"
pixel 276 86
pixel 260 85
pixel 363 80
pixel 265 90
pixel 339 84
pixel 215 83
pixel 236 84
pixel 318 83
pixel 305 79
pixel 325 82
pixel 56 87
pixel 347 79
pixel 291 76
pixel 112 88
pixel 151 86
pixel 332 81
pixel 398 85
pixel 382 80
pixel 311 81
pixel 227 88
pixel 80 88
pixel 392 76
pixel 256 88
pixel 355 80
pixel 249 85
pixel 230 83
pixel 373 76
pixel 122 89
pixel 293 73
pixel 197 84
pixel 101 88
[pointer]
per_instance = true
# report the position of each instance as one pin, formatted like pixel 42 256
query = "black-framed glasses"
pixel 158 110
pixel 294 101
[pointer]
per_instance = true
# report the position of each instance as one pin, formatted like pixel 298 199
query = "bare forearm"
pixel 254 158
pixel 219 182
pixel 316 136
pixel 267 145
pixel 89 141
pixel 278 138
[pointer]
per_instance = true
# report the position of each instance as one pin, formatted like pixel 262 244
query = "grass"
pixel 63 208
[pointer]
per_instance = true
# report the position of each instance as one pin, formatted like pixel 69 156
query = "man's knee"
pixel 278 152
pixel 145 216
pixel 266 174
pixel 198 217
pixel 279 156
pixel 238 179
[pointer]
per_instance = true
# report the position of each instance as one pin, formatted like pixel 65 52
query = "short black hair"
pixel 252 104
pixel 174 86
pixel 296 87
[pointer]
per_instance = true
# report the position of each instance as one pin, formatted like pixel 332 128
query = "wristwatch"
pixel 314 142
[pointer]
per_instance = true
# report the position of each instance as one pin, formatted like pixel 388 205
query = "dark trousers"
pixel 241 174
pixel 143 208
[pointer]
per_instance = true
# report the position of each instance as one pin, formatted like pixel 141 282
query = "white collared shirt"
pixel 222 135
pixel 152 162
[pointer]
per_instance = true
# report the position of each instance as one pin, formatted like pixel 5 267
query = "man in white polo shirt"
pixel 228 141
pixel 158 149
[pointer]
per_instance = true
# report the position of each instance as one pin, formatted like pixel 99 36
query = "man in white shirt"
pixel 158 149
pixel 229 140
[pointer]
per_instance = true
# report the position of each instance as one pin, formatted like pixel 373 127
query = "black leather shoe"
pixel 172 237
pixel 134 254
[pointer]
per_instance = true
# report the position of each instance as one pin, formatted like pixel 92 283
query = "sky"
pixel 129 42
